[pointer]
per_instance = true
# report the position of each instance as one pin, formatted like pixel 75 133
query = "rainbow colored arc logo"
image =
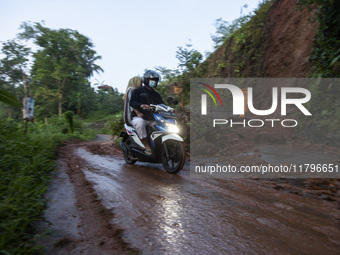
pixel 209 93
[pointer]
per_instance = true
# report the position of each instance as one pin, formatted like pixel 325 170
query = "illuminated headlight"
pixel 172 128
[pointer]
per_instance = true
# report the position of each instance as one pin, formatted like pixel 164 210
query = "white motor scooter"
pixel 166 145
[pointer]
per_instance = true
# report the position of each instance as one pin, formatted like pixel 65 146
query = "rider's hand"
pixel 140 115
pixel 145 107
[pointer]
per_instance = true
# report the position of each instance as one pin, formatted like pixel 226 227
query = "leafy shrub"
pixel 325 61
pixel 117 125
pixel 25 164
pixel 325 58
pixel 69 120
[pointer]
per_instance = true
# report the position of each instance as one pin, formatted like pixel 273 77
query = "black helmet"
pixel 151 75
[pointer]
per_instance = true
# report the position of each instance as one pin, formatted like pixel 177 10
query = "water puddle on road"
pixel 279 154
pixel 163 213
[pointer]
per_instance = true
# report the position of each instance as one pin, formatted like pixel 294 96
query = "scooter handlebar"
pixel 161 107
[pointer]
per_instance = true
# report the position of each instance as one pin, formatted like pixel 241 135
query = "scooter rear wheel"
pixel 176 157
pixel 127 155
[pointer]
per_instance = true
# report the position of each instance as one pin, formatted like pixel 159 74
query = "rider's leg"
pixel 147 147
pixel 140 125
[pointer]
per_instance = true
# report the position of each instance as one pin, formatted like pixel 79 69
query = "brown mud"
pixel 77 222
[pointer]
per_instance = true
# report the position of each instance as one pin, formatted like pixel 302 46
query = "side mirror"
pixel 170 101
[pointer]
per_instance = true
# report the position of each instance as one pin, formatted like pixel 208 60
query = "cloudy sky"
pixel 130 35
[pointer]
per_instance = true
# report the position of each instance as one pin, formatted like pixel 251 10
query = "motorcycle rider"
pixel 135 82
pixel 140 100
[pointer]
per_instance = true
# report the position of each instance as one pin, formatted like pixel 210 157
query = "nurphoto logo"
pixel 263 127
pixel 240 99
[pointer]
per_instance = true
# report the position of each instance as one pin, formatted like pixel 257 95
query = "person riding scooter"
pixel 140 100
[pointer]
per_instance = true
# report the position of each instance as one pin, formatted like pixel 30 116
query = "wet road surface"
pixel 163 213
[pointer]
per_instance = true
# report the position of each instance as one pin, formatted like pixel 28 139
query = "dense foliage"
pixel 62 64
pixel 240 50
pixel 326 52
pixel 56 73
pixel 325 60
pixel 26 162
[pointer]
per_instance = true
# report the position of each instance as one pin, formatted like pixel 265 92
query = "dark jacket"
pixel 141 96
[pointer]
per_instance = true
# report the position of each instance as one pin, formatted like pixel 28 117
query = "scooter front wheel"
pixel 129 159
pixel 173 156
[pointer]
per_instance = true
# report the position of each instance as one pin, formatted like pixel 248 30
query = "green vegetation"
pixel 26 162
pixel 9 99
pixel 326 52
pixel 69 119
pixel 240 50
pixel 56 73
pixel 325 60
pixel 57 76
pixel 240 46
pixel 116 126
pixel 63 63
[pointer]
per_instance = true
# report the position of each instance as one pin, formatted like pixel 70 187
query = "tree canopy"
pixel 57 72
pixel 63 63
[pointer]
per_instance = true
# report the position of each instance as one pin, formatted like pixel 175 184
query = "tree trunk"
pixel 60 103
pixel 9 113
pixel 61 96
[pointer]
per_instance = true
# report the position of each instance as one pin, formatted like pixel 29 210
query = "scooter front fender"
pixel 172 137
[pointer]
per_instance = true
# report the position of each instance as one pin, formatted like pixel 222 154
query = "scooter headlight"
pixel 172 128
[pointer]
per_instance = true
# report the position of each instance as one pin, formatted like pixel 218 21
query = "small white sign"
pixel 29 108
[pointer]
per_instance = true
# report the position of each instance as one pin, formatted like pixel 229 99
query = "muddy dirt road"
pixel 100 205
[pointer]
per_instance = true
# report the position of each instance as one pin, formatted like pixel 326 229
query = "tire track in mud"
pixel 94 233
pixel 167 214
pixel 143 206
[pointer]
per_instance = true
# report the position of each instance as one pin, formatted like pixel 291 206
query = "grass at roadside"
pixel 26 162
pixel 101 123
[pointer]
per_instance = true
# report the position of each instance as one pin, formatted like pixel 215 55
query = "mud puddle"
pixel 279 154
pixel 175 214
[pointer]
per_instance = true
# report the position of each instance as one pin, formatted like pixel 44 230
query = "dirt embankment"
pixel 279 47
pixel 290 40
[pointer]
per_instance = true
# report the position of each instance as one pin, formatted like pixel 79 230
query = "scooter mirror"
pixel 169 100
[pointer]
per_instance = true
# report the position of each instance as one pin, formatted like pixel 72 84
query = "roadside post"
pixel 28 110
